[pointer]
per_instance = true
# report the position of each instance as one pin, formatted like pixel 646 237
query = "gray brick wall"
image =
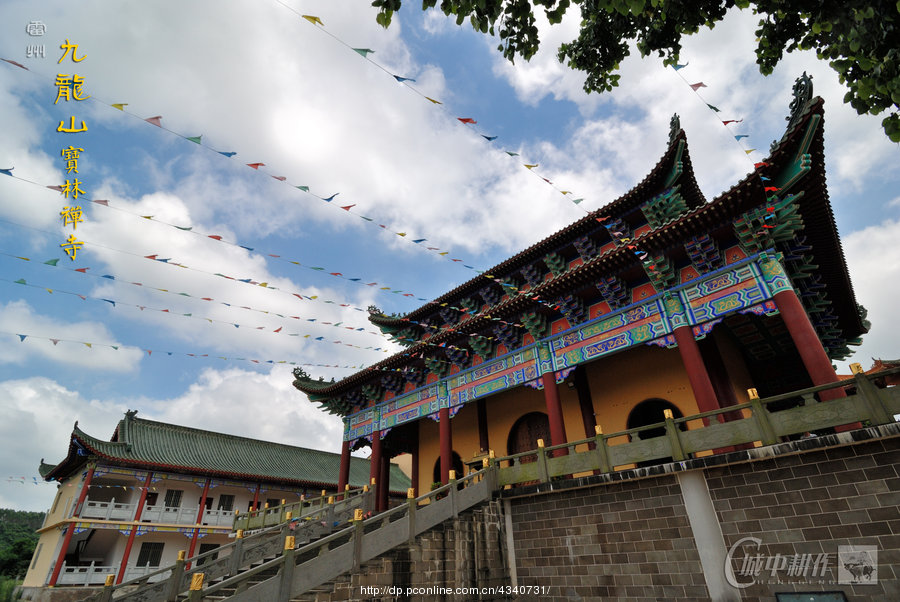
pixel 811 503
pixel 629 540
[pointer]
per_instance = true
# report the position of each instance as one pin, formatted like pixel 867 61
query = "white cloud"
pixel 18 317
pixel 38 417
pixel 873 260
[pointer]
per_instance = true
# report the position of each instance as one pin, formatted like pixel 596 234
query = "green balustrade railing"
pixel 275 515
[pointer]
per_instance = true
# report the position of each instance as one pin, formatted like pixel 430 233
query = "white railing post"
pixel 109 507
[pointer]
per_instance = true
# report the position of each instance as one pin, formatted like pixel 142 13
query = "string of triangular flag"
pixel 259 167
pixel 117 304
pixel 772 196
pixel 220 239
pixel 695 87
pixel 406 83
pixel 170 262
pixel 22 337
pixel 85 272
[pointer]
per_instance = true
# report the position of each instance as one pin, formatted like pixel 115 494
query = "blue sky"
pixel 256 79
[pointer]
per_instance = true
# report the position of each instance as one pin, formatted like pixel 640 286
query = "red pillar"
pixel 344 472
pixel 256 498
pixel 415 465
pixel 554 413
pixel 384 479
pixel 137 518
pixel 70 530
pixel 446 445
pixel 696 370
pixel 375 459
pixel 199 518
pixel 483 441
pixel 585 403
pixel 807 343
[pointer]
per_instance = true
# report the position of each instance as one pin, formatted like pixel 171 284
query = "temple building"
pixel 126 506
pixel 660 300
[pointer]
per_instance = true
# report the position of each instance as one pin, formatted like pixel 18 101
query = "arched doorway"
pixel 652 411
pixel 526 431
pixel 455 464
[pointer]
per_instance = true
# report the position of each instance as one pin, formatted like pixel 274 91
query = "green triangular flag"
pixel 304 188
pixel 363 51
pixel 21 281
pixel 194 139
pixel 713 108
pixel 51 262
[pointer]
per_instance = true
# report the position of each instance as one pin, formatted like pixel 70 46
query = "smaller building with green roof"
pixel 127 505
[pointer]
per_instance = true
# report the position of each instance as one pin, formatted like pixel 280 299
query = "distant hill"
pixel 17 540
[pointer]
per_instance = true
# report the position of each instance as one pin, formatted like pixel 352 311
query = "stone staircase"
pixel 243 557
pixel 316 570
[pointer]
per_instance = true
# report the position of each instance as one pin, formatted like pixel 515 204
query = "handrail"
pixel 867 404
pixel 242 552
pixel 258 518
pixel 364 540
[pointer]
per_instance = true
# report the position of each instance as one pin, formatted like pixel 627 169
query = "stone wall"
pixel 466 552
pixel 624 540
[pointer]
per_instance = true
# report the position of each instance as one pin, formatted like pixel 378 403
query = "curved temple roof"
pixel 151 445
pixel 797 158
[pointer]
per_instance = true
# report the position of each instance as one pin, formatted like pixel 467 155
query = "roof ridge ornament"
pixel 675 127
pixel 803 94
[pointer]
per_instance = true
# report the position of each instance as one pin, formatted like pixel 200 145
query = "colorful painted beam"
pixel 741 287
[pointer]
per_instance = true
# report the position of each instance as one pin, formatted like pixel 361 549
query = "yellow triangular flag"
pixel 313 19
pixel 749 151
pixel 120 105
pixel 88 345
pixel 531 166
pixel 437 102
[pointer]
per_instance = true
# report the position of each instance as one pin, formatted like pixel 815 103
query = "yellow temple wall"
pixel 617 384
pixel 44 554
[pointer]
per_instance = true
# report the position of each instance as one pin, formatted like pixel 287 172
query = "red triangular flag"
pixel 154 120
pixel 467 120
pixel 256 165
pixel 697 86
